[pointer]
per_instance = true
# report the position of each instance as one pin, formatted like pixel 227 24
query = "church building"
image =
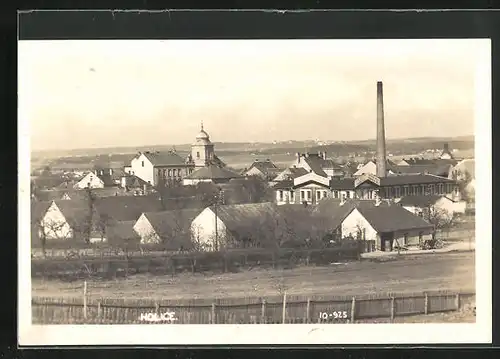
pixel 161 168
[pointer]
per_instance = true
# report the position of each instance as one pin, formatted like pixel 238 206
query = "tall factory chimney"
pixel 381 155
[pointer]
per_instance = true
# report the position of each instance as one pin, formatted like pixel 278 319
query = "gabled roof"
pixel 392 218
pixel 213 172
pixel 77 213
pixel 342 184
pixel 435 169
pixel 127 208
pixel 133 181
pixel 120 231
pixel 239 217
pixel 171 222
pixel 336 212
pixel 263 166
pixel 315 163
pixel 38 210
pixel 412 179
pixel 167 158
pixel 284 185
pixel 420 201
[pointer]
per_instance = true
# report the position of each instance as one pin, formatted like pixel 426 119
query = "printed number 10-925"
pixel 333 315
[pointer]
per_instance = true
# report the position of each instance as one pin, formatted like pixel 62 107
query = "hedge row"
pixel 226 261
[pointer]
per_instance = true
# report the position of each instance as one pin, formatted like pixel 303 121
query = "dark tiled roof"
pixel 342 184
pixel 170 222
pixel 392 218
pixel 167 158
pixel 430 161
pixel 438 170
pixel 127 208
pixel 77 213
pixel 213 172
pixel 285 185
pixel 133 181
pixel 119 231
pixel 263 166
pixel 412 179
pixel 315 163
pixel 419 201
pixel 241 217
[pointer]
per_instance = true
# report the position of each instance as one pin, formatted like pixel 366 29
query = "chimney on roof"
pixel 324 155
pixel 381 151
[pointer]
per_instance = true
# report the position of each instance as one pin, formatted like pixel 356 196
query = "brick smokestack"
pixel 381 155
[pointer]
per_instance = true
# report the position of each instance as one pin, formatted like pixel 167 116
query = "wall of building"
pixel 143 172
pixel 412 237
pixel 146 231
pixel 55 225
pixel 206 153
pixel 354 222
pixel 203 229
pixel 90 180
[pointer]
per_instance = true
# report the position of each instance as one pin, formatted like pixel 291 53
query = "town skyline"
pixel 111 94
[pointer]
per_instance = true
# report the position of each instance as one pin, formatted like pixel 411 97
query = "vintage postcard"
pixel 202 191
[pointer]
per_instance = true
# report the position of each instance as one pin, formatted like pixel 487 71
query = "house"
pixel 370 167
pixel 318 163
pixel 122 234
pixel 157 168
pixel 126 208
pixel 210 173
pixel 426 161
pixel 89 180
pixel 311 188
pixel 420 204
pixel 388 225
pixel 64 220
pixel 266 170
pixel 443 170
pixel 290 173
pixel 238 225
pixel 169 227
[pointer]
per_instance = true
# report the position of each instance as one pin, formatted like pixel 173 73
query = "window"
pixel 308 195
pixel 405 239
pixel 169 173
pixel 397 191
pixel 164 173
pixel 440 188
pixel 325 194
pixel 318 195
pixel 432 189
pixel 420 236
pixel 414 190
pixel 292 196
pixel 142 163
pixel 348 194
pixel 370 194
pixel 302 196
pixel 197 154
pixel 281 195
pixel 335 194
pixel 405 190
pixel 173 172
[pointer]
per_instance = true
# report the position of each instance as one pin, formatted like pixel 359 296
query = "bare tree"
pixel 442 219
pixel 463 178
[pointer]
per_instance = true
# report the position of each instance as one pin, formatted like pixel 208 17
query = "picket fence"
pixel 287 309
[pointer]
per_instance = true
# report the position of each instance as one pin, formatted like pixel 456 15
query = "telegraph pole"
pixel 218 197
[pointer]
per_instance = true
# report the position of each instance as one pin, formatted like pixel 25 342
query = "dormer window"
pixel 197 154
pixel 142 163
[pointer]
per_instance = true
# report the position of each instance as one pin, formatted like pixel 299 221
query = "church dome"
pixel 202 135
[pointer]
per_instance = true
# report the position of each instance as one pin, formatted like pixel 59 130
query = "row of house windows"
pixel 415 190
pixel 171 172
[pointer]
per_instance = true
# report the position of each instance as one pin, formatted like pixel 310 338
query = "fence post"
pixel 263 312
pixel 99 309
pixel 457 301
pixel 393 308
pixel 214 321
pixel 308 309
pixel 353 309
pixel 85 299
pixel 284 307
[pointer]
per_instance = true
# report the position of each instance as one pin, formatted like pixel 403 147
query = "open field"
pixel 404 274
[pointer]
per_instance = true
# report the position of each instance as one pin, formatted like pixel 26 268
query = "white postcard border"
pixel 362 334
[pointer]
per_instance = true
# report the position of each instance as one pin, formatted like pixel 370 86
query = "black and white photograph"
pixel 242 184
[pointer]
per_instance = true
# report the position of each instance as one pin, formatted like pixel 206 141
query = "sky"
pixel 113 93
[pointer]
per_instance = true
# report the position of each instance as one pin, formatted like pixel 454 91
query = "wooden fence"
pixel 271 310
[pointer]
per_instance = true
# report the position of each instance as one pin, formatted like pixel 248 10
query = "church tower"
pixel 202 151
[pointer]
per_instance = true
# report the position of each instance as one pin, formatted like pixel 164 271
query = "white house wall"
pixel 146 231
pixel 90 180
pixel 355 221
pixel 55 225
pixel 145 173
pixel 203 229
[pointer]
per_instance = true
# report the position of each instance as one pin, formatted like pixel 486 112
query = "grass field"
pixel 409 273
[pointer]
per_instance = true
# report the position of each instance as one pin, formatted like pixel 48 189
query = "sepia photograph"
pixel 178 184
